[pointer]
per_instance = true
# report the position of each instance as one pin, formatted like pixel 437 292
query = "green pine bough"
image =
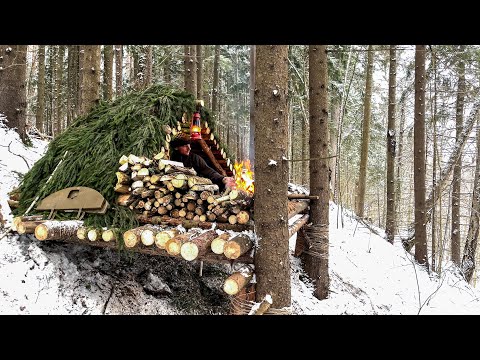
pixel 131 124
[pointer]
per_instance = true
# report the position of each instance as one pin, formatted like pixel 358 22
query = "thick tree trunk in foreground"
pixel 272 265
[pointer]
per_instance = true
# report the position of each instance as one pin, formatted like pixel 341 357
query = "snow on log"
pixel 57 230
pixel 238 280
pixel 188 224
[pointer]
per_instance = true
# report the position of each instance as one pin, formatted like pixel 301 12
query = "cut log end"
pixel 41 232
pixel 82 233
pixel 231 287
pixel 189 251
pixel 231 250
pixel 93 235
pixel 130 239
pixel 108 235
pixel 147 237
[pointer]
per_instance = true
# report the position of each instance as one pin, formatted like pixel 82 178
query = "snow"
pixel 272 162
pixel 367 274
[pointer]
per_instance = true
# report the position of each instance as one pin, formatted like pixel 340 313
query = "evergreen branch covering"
pixel 131 124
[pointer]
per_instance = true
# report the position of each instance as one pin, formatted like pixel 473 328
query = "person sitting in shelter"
pixel 182 153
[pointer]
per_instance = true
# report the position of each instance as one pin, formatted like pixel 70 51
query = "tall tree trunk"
pixel 317 256
pixel 457 170
pixel 199 72
pixel 401 130
pixel 118 70
pixel 272 264
pixel 419 157
pixel 435 157
pixel 251 146
pixel 59 91
pixel 216 59
pixel 40 114
pixel 148 66
pixel 90 78
pixel 108 72
pixel 390 223
pixel 81 71
pixel 190 69
pixel 362 177
pixel 468 261
pixel 13 91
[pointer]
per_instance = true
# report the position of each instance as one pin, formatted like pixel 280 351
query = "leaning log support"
pixel 297 225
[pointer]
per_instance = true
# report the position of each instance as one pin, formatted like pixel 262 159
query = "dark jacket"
pixel 200 166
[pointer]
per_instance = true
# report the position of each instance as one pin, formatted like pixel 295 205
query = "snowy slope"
pixel 368 275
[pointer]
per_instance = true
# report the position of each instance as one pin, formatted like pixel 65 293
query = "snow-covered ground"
pixel 367 274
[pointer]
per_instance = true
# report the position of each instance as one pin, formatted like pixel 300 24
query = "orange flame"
pixel 244 176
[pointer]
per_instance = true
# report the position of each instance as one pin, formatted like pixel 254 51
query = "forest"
pixel 390 132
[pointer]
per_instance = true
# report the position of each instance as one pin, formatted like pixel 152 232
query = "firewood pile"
pixel 159 187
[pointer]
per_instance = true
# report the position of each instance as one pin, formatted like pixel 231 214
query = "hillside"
pixel 368 275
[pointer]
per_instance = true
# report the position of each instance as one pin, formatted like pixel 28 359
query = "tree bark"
pixel 317 256
pixel 91 77
pixel 419 157
pixel 199 72
pixel 391 143
pixel 108 72
pixel 272 264
pixel 457 169
pixel 216 60
pixel 190 69
pixel 13 91
pixel 40 113
pixel 362 177
pixel 468 261
pixel 251 148
pixel 118 70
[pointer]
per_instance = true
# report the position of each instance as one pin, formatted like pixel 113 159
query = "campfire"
pixel 244 177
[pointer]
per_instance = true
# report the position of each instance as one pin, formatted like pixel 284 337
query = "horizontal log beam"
pixel 303 196
pixel 153 250
pixel 296 207
pixel 187 224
